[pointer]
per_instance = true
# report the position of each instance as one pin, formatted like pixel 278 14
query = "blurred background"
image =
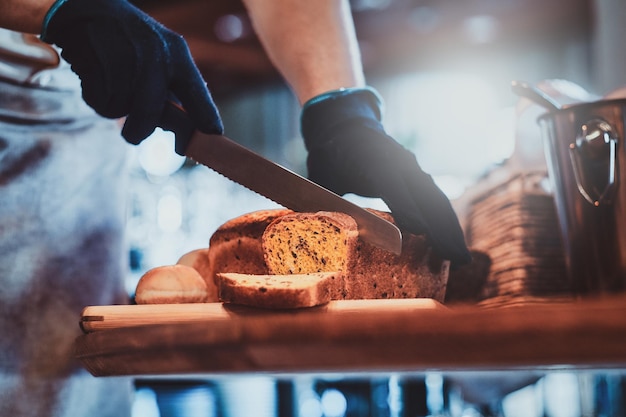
pixel 444 69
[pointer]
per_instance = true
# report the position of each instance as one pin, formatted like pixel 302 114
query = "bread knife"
pixel 272 180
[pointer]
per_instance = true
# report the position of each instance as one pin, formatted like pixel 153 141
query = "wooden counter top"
pixel 366 336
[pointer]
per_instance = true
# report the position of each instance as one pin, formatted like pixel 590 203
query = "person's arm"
pixel 24 15
pixel 312 43
pixel 314 46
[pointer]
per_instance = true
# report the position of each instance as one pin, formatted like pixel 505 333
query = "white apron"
pixel 62 214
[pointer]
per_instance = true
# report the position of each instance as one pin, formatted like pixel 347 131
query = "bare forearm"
pixel 24 15
pixel 312 43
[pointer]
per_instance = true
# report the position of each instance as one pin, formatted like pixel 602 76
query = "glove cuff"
pixel 46 20
pixel 328 111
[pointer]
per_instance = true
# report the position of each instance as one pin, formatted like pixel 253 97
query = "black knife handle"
pixel 175 119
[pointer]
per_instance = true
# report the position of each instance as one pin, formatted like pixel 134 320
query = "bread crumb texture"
pixel 276 291
pixel 306 243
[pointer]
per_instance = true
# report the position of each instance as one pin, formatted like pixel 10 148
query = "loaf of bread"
pixel 277 291
pixel 285 242
pixel 171 284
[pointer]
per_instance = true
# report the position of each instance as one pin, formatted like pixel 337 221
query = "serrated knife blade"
pixel 272 180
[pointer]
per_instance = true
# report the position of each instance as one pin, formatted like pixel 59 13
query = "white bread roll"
pixel 199 260
pixel 171 284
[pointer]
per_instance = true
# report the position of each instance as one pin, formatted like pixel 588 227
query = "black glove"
pixel 129 64
pixel 349 152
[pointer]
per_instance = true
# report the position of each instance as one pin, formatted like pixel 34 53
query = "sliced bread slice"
pixel 277 291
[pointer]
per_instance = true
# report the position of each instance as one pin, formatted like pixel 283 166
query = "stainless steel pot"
pixel 586 158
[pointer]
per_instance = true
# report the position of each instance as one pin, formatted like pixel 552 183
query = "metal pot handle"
pixel 596 143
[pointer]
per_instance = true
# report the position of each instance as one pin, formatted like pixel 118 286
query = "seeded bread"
pixel 277 291
pixel 294 243
pixel 245 245
pixel 302 243
pixel 236 245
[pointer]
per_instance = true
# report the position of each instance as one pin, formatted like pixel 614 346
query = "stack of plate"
pixel 516 224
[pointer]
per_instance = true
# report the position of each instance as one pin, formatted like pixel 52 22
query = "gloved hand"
pixel 129 64
pixel 349 152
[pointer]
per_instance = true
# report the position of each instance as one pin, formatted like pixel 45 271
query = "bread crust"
pixel 236 245
pixel 252 225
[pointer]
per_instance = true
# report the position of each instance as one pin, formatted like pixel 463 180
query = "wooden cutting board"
pixel 352 336
pixel 98 318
